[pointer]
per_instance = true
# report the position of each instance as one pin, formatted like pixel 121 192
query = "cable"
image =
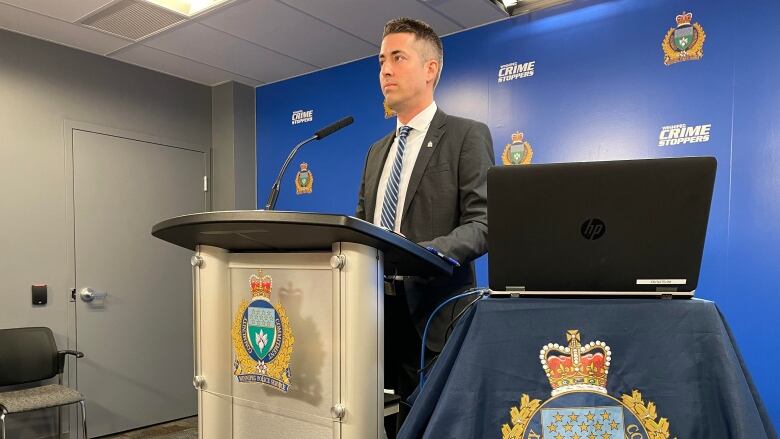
pixel 480 291
pixel 457 317
pixel 430 363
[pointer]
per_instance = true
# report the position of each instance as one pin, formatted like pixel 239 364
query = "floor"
pixel 182 429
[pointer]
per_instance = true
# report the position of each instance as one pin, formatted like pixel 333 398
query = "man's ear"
pixel 432 69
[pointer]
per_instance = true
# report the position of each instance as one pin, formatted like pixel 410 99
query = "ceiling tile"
pixel 45 28
pixel 469 13
pixel 218 49
pixel 180 67
pixel 367 18
pixel 67 10
pixel 249 41
pixel 287 30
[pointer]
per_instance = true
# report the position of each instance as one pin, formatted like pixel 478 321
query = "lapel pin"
pixel 430 144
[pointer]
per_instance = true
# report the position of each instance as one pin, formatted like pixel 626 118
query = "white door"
pixel 137 339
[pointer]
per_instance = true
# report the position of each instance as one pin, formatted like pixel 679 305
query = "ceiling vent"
pixel 132 19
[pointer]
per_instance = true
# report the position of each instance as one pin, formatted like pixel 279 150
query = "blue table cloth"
pixel 620 368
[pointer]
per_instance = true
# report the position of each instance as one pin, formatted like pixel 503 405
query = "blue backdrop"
pixel 599 91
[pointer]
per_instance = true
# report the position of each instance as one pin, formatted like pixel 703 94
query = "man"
pixel 428 181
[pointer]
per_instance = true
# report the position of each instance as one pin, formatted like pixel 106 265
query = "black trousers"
pixel 402 354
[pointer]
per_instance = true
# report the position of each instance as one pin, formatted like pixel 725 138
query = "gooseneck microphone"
pixel 332 128
pixel 319 135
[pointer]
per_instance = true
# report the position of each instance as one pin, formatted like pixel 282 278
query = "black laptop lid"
pixel 631 225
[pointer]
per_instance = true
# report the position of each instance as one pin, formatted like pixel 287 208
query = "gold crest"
pixel 262 338
pixel 582 408
pixel 304 180
pixel 519 152
pixel 684 42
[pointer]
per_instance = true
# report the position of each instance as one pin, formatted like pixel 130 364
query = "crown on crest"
pixel 576 367
pixel 684 19
pixel 517 137
pixel 260 285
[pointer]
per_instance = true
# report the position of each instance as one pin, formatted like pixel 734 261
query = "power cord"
pixel 482 292
pixel 457 317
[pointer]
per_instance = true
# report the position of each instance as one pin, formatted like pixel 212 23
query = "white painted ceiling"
pixel 249 41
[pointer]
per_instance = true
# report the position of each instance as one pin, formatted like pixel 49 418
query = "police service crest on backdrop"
pixel 685 42
pixel 304 180
pixel 519 152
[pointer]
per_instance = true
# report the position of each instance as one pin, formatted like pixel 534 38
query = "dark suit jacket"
pixel 445 207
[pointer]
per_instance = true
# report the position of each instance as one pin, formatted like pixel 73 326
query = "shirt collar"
pixel 421 121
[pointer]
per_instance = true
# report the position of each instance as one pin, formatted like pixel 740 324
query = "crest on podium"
pixel 262 338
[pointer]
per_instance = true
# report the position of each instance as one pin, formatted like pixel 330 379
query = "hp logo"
pixel 593 228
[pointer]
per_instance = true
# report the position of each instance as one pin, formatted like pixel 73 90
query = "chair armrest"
pixel 61 358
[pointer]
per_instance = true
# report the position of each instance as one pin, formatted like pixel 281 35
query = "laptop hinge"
pixel 666 292
pixel 514 291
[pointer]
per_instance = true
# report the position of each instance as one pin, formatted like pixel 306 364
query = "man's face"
pixel 403 74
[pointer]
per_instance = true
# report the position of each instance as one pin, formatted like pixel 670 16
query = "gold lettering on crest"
pixel 632 432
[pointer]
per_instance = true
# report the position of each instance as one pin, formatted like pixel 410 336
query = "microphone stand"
pixel 271 203
pixel 321 134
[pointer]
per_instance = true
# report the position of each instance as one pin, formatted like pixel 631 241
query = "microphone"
pixel 319 135
pixel 332 128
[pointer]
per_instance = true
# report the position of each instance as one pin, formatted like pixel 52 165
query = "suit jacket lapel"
pixel 435 131
pixel 374 172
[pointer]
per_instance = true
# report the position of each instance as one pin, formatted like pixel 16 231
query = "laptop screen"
pixel 622 226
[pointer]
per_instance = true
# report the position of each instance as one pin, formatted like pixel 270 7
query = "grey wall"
pixel 42 85
pixel 233 157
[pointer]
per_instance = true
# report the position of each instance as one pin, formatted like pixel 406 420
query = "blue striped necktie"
pixel 391 192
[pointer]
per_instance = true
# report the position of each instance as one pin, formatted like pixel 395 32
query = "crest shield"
pixel 683 37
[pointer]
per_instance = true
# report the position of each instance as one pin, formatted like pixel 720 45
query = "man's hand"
pixel 436 252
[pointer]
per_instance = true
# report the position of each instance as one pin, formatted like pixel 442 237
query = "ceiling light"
pixel 520 7
pixel 187 7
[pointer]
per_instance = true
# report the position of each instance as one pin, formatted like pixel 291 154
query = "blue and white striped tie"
pixel 391 193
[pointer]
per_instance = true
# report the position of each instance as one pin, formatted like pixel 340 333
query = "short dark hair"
pixel 421 31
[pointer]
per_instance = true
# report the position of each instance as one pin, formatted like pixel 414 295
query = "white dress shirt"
pixel 420 124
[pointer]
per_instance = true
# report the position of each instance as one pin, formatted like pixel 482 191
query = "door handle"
pixel 88 294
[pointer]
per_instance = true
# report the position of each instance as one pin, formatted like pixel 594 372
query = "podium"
pixel 288 320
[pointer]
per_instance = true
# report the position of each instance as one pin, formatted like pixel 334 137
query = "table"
pixel 639 368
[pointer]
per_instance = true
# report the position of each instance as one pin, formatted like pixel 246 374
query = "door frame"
pixel 70 377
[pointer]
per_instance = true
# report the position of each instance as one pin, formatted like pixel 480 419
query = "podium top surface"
pixel 244 231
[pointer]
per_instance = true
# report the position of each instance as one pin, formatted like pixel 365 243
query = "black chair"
pixel 28 355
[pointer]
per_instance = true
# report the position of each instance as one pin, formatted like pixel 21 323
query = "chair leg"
pixel 83 418
pixel 2 423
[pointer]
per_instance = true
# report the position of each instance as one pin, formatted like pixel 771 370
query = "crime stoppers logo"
pixel 681 133
pixel 302 116
pixel 515 70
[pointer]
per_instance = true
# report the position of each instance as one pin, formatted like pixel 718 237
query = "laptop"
pixel 629 227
